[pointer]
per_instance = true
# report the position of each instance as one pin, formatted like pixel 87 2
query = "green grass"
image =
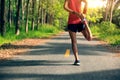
pixel 45 31
pixel 108 32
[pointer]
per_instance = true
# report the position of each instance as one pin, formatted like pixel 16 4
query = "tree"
pixel 33 12
pixel 116 17
pixel 23 9
pixel 38 14
pixel 117 4
pixel 2 20
pixel 30 12
pixel 27 12
pixel 109 9
pixel 113 3
pixel 9 13
pixel 17 28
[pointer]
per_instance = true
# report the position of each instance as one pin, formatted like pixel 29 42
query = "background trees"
pixel 29 15
pixel 111 6
pixel 109 12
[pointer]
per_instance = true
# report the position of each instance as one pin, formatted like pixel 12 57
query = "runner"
pixel 77 23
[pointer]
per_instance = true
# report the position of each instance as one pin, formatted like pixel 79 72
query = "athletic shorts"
pixel 76 27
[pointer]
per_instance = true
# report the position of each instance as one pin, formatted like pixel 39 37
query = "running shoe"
pixel 77 63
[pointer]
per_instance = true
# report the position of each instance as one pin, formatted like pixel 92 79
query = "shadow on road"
pixel 60 48
pixel 97 75
pixel 20 63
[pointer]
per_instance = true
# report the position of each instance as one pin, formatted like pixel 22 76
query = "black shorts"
pixel 76 27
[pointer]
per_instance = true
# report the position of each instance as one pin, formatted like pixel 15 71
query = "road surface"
pixel 47 62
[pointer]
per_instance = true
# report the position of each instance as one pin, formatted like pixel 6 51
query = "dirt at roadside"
pixel 8 50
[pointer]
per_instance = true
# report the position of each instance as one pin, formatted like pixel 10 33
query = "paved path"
pixel 47 62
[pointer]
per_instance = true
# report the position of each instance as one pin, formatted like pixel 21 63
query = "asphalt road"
pixel 47 62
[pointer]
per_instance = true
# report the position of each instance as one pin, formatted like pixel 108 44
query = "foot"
pixel 77 63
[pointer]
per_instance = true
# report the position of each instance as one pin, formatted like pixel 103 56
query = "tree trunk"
pixel 23 9
pixel 42 19
pixel 2 20
pixel 27 12
pixel 17 30
pixel 109 9
pixel 9 14
pixel 106 12
pixel 38 19
pixel 113 3
pixel 117 4
pixel 33 11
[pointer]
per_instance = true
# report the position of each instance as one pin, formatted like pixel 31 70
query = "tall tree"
pixel 9 13
pixel 117 4
pixel 33 13
pixel 42 14
pixel 109 9
pixel 2 20
pixel 113 3
pixel 23 9
pixel 38 19
pixel 17 28
pixel 27 12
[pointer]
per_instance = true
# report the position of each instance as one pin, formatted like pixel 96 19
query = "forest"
pixel 26 18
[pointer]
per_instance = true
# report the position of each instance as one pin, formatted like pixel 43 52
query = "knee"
pixel 89 38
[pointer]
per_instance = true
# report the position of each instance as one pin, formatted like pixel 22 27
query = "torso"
pixel 76 6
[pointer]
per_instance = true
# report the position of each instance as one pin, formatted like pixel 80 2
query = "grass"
pixel 108 32
pixel 45 31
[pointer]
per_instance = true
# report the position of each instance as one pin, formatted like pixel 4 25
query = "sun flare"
pixel 95 3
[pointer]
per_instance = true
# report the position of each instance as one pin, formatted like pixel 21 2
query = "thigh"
pixel 72 36
pixel 87 34
pixel 84 32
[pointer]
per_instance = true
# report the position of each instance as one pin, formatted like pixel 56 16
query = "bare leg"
pixel 74 44
pixel 87 33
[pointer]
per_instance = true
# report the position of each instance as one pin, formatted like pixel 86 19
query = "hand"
pixel 80 15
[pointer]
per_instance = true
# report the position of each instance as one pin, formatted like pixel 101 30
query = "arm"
pixel 66 6
pixel 68 9
pixel 76 13
pixel 82 15
pixel 85 6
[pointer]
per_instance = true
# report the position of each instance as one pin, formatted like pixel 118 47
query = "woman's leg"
pixel 74 44
pixel 87 33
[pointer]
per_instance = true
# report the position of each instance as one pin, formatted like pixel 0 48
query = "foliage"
pixel 116 17
pixel 39 12
pixel 44 32
pixel 48 28
pixel 107 28
pixel 94 15
pixel 108 32
pixel 50 17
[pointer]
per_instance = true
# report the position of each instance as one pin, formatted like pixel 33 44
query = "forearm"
pixel 82 15
pixel 67 8
pixel 85 6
